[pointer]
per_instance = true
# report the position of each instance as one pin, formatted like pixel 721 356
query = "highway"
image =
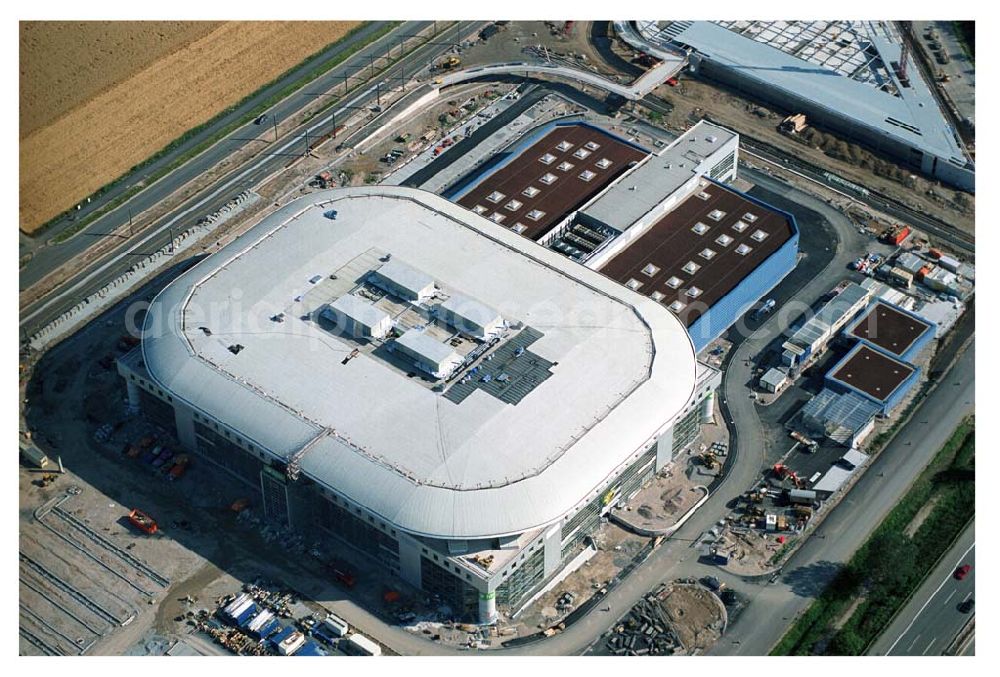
pixel 944 231
pixel 118 260
pixel 931 619
pixel 849 524
pixel 809 569
pixel 49 256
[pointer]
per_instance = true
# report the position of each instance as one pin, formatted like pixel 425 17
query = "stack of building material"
pixel 645 631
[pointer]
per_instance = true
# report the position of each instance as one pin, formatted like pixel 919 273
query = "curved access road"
pixel 646 83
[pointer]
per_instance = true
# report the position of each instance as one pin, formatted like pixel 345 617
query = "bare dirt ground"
pixel 696 615
pixel 694 99
pixel 101 138
pixel 65 63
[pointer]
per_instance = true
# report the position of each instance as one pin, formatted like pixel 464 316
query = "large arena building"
pixel 392 370
pixel 441 385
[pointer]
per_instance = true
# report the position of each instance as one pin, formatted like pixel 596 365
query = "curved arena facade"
pixel 406 377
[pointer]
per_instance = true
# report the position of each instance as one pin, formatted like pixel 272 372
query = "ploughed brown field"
pixel 97 98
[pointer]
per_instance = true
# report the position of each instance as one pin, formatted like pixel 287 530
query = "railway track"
pixel 875 199
pixel 98 561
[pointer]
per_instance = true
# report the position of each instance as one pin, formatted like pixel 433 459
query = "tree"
pixel 846 643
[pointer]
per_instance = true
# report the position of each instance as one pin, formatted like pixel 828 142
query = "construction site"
pixel 681 618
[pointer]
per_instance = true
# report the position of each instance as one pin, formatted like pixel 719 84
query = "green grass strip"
pixel 890 565
pixel 291 87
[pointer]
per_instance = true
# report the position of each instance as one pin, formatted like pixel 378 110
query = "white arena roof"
pixel 476 468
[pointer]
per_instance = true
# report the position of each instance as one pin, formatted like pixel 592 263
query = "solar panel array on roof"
pixel 512 373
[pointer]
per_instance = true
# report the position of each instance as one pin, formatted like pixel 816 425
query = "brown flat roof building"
pixel 889 328
pixel 700 251
pixel 551 178
pixel 872 372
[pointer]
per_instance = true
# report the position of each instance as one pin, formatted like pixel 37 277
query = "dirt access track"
pixel 127 106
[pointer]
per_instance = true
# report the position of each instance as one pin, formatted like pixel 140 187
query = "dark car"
pixel 962 571
pixel 261 119
pixel 967 606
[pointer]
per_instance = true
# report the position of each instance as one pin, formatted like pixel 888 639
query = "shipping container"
pixel 310 648
pixel 231 608
pixel 292 643
pixel 281 636
pixel 359 645
pixel 243 616
pixel 335 626
pixel 901 236
pixel 949 263
pixel 34 455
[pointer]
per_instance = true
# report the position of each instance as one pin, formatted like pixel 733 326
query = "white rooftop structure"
pixel 470 316
pixel 359 317
pixel 643 189
pixel 834 314
pixel 479 468
pixel 428 353
pixel 405 281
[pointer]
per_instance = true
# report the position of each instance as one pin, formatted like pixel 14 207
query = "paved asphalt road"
pixel 114 263
pixel 772 607
pixel 931 619
pixel 962 85
pixel 848 525
pixel 49 256
pixel 758 627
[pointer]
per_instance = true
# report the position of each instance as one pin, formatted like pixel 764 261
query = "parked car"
pixel 962 571
pixel 967 606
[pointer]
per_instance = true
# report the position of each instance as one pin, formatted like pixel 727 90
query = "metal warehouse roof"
pixel 359 310
pixel 477 468
pixel 830 314
pixel 567 166
pixel 636 193
pixel 925 125
pixel 849 412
